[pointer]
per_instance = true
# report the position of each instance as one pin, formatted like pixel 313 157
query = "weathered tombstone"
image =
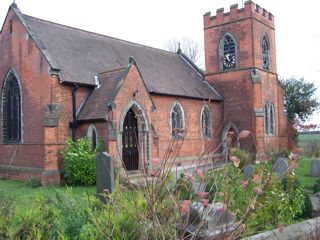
pixel 104 175
pixel 315 168
pixel 220 220
pixel 281 167
pixel 248 171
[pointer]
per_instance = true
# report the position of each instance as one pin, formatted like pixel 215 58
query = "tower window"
pixel 269 121
pixel 227 52
pixel 11 98
pixel 206 123
pixel 177 120
pixel 265 52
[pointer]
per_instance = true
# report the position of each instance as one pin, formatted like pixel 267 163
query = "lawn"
pixel 24 194
pixel 303 138
pixel 303 171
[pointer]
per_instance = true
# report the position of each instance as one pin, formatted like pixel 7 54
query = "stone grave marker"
pixel 281 167
pixel 315 168
pixel 248 171
pixel 104 175
pixel 220 220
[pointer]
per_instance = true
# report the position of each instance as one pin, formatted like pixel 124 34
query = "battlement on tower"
pixel 250 10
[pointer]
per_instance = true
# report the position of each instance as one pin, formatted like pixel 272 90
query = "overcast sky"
pixel 152 23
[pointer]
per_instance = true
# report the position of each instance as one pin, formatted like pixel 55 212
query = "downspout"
pixel 74 111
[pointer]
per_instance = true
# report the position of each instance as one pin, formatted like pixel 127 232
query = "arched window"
pixel 269 118
pixel 272 123
pixel 228 52
pixel 206 123
pixel 11 109
pixel 177 120
pixel 265 48
pixel 93 136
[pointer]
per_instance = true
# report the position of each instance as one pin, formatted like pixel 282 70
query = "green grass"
pixel 25 195
pixel 303 171
pixel 304 138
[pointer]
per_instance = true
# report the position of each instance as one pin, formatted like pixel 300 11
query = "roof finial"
pixel 14 3
pixel 179 47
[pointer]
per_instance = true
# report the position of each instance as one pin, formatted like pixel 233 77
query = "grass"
pixel 303 172
pixel 24 195
pixel 305 138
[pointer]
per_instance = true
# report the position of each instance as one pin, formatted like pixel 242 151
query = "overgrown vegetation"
pixel 157 207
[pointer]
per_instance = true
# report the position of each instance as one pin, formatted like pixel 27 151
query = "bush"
pixel 34 182
pixel 243 156
pixel 6 214
pixel 184 188
pixel 316 186
pixel 79 162
pixel 306 208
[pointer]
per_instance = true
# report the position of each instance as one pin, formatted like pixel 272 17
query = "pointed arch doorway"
pixel 130 141
pixel 134 138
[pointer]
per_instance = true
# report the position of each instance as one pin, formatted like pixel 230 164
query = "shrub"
pixel 79 162
pixel 243 156
pixel 316 186
pixel 6 214
pixel 184 188
pixel 306 208
pixel 34 182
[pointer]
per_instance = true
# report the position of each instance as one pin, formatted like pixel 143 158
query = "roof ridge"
pixel 100 34
pixel 113 70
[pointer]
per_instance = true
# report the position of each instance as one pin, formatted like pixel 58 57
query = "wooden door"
pixel 130 153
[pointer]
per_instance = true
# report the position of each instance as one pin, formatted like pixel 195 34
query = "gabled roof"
pixel 80 55
pixel 96 107
pixel 100 99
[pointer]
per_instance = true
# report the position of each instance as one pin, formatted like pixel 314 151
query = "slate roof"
pixel 96 107
pixel 80 55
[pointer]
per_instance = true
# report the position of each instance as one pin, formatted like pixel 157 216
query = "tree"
pixel 299 98
pixel 188 47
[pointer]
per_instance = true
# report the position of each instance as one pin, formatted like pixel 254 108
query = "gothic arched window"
pixel 177 120
pixel 206 123
pixel 269 118
pixel 265 48
pixel 92 136
pixel 228 52
pixel 11 109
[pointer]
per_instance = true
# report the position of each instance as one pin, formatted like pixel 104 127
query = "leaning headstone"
pixel 281 167
pixel 315 168
pixel 104 175
pixel 248 171
pixel 220 221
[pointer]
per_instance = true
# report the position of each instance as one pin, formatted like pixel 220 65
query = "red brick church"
pixel 58 82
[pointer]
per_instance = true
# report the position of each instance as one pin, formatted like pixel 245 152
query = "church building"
pixel 59 82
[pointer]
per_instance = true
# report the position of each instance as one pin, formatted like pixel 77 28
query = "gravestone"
pixel 315 168
pixel 220 221
pixel 104 175
pixel 248 171
pixel 281 167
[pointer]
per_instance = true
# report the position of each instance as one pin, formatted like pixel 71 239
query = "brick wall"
pixel 39 152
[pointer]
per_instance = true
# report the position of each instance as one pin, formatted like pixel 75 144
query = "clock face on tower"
pixel 229 60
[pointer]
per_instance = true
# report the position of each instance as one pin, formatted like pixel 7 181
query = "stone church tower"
pixel 240 58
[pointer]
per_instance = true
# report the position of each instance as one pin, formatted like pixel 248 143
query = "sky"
pixel 153 23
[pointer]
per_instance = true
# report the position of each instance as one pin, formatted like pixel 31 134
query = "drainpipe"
pixel 74 111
